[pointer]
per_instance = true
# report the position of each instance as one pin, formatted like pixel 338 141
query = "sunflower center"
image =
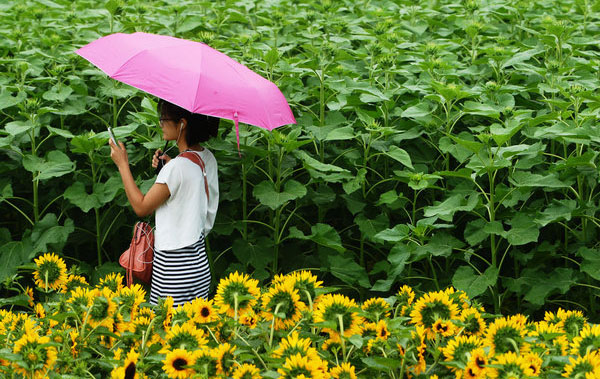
pixel 130 371
pixel 205 312
pixel 179 363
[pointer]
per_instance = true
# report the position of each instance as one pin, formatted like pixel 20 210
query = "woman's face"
pixel 169 127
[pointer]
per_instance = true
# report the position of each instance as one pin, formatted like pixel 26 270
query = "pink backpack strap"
pixel 198 160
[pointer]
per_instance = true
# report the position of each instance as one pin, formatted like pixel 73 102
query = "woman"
pixel 184 212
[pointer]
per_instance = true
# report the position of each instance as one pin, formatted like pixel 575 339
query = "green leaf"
pixel 370 227
pixel 382 363
pixel 356 182
pixel 557 210
pixel 521 56
pixel 527 179
pixel 475 233
pixel 481 109
pixel 465 279
pixel 267 195
pixel 15 128
pixel 322 234
pixel 523 231
pixel 537 284
pixel 7 100
pixel 395 234
pixel 340 134
pixel 102 193
pixel 420 110
pixel 398 258
pixel 58 93
pixel 55 164
pixel 48 231
pixel 347 270
pixel 591 261
pixel 455 203
pixel 400 155
pixel 13 254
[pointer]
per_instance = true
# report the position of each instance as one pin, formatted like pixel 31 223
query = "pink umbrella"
pixel 192 75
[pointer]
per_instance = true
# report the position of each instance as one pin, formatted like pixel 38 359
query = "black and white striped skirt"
pixel 183 274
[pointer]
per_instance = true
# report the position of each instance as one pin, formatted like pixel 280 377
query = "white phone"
pixel 112 136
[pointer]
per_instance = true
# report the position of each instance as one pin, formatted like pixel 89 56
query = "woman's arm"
pixel 142 205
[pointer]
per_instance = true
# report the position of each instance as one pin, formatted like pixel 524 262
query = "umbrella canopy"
pixel 191 75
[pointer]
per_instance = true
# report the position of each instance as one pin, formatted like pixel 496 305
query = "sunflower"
pixel 164 311
pixel 344 371
pixel 587 366
pixel 306 283
pixel 460 348
pixel 418 337
pixel 551 337
pixel 534 364
pixel 224 331
pixel 74 342
pixel 571 321
pixel 238 290
pixel 472 322
pixel 338 309
pixel 177 364
pixel 588 340
pixel 80 298
pixel 477 364
pixel 130 298
pixel 29 293
pixel 292 345
pixel 249 319
pixel 102 309
pixel 114 281
pixel 510 365
pixel 246 371
pixel 206 363
pixel 404 300
pixel 431 307
pixel 505 335
pixel 225 359
pixel 297 365
pixel 74 281
pixel 184 336
pixel 368 329
pixel 129 368
pixel 283 304
pixel 382 330
pixel 35 358
pixel 376 309
pixel 50 272
pixel 333 343
pixel 40 312
pixel 203 311
pixel 444 328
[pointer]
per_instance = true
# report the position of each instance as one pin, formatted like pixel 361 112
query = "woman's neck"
pixel 183 146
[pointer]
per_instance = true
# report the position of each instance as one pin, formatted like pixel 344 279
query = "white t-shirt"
pixel 187 213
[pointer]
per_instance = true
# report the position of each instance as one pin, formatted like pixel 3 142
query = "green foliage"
pixel 437 142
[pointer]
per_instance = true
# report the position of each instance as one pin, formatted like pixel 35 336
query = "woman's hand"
pixel 159 155
pixel 118 154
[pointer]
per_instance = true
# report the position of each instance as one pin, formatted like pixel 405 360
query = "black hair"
pixel 200 128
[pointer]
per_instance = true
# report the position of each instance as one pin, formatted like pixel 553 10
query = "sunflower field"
pixel 293 328
pixel 441 181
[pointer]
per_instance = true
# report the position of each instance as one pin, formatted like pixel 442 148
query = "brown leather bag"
pixel 137 260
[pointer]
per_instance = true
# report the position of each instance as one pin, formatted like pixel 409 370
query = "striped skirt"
pixel 183 274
